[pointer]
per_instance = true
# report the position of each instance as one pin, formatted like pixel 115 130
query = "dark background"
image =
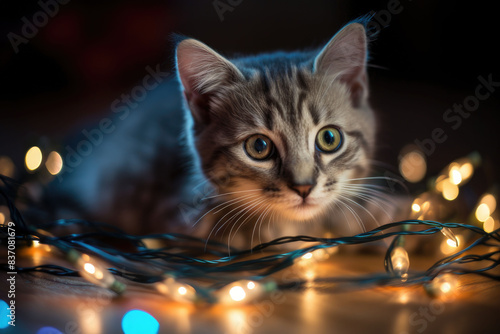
pixel 427 58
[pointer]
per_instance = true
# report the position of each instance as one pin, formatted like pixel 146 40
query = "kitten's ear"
pixel 202 72
pixel 344 57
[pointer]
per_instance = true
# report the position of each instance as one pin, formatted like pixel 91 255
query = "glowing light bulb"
pixel 442 285
pixel 455 175
pixel 307 256
pixel 452 240
pixel 448 246
pixel 40 247
pixel 415 207
pixel 459 171
pixel 445 287
pixel 237 293
pixel 177 291
pixel 400 261
pixel 89 267
pixel 33 158
pixel 94 271
pixel 243 291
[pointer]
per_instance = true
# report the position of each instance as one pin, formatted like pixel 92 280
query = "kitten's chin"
pixel 302 212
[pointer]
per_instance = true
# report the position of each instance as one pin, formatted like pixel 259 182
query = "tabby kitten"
pixel 267 144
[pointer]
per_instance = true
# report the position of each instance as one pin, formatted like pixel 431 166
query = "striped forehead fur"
pixel 288 100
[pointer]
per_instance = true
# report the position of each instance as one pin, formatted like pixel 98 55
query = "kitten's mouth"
pixel 306 209
pixel 306 205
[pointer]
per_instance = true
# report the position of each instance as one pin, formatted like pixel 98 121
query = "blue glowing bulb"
pixel 139 322
pixel 4 314
pixel 48 330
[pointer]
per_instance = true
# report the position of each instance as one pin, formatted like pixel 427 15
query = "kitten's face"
pixel 287 145
pixel 288 135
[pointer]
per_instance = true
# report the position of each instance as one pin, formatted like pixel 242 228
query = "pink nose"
pixel 303 189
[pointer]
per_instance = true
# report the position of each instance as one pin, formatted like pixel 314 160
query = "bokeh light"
pixel 33 158
pixel 4 214
pixel 139 322
pixel 466 171
pixel 307 256
pixel 490 201
pixel 415 207
pixel 450 190
pixel 7 167
pixel 54 163
pixel 490 225
pixel 412 166
pixel 4 312
pixel 455 175
pixel 89 320
pixel 48 330
pixel 237 293
pixel 482 212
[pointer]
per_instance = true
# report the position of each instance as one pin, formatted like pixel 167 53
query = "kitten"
pixel 264 144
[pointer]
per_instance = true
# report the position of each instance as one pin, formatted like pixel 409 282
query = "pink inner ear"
pixel 344 57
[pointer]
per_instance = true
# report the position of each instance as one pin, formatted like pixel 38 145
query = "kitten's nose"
pixel 302 189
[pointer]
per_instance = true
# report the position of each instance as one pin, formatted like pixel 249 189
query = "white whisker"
pixel 362 207
pixel 354 214
pixel 371 200
pixel 227 203
pixel 261 218
pixel 229 239
pixel 222 218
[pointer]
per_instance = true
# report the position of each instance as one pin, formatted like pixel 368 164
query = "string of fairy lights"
pixel 189 269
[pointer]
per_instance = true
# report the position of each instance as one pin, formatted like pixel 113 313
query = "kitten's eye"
pixel 329 139
pixel 258 147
